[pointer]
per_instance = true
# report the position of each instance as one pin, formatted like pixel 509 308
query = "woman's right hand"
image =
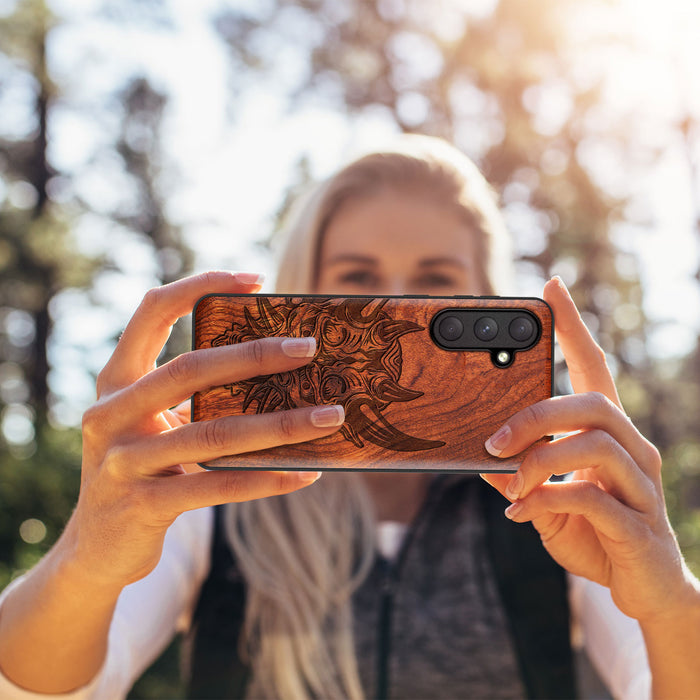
pixel 138 469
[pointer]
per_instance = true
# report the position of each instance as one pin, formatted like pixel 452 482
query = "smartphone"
pixel 424 381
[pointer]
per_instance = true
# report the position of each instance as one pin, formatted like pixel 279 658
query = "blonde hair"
pixel 302 556
pixel 305 553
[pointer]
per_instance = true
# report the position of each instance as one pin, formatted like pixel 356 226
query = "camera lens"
pixel 451 328
pixel 521 328
pixel 485 328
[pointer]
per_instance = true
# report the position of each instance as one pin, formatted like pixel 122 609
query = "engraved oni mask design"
pixel 357 365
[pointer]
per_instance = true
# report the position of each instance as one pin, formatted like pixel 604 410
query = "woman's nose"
pixel 398 287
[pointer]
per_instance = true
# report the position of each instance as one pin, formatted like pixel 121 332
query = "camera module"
pixel 451 328
pixel 485 329
pixel 502 332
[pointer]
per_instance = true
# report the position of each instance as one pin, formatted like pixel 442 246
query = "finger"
pixel 498 481
pixel 565 414
pixel 585 359
pixel 606 514
pixel 149 327
pixel 593 450
pixel 183 492
pixel 207 440
pixel 181 413
pixel 177 416
pixel 202 369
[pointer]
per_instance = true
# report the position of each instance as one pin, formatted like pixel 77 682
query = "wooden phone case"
pixel 409 404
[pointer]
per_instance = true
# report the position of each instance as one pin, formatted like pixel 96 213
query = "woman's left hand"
pixel 609 524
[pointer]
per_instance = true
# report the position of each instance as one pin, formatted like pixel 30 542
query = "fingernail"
pixel 250 277
pixel 327 416
pixel 513 509
pixel 560 282
pixel 309 477
pixel 515 486
pixel 498 441
pixel 299 347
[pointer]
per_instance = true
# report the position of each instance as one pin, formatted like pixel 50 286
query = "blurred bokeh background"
pixel 141 140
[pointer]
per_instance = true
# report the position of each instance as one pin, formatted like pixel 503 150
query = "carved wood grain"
pixel 465 398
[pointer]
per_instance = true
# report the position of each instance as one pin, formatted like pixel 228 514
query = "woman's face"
pixel 398 243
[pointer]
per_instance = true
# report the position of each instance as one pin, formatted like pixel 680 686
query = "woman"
pixel 417 220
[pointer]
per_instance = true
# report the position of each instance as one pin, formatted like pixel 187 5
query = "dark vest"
pixel 531 585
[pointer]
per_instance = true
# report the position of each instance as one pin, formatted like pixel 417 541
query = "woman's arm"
pixel 45 622
pixel 673 647
pixel 610 523
pixel 148 612
pixel 138 475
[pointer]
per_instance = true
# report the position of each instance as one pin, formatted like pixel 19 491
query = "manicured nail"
pixel 515 486
pixel 498 441
pixel 560 282
pixel 309 477
pixel 250 277
pixel 513 509
pixel 299 347
pixel 327 416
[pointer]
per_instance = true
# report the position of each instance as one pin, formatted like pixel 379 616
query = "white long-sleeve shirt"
pixel 150 611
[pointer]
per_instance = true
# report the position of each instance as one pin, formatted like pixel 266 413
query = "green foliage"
pixel 682 486
pixel 40 259
pixel 40 482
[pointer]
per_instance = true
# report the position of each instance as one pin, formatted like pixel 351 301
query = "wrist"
pixel 681 609
pixel 75 565
pixel 672 639
pixel 55 626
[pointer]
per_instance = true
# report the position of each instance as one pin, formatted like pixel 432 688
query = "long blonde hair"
pixel 305 553
pixel 302 556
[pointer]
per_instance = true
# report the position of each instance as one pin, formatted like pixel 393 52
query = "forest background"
pixel 141 140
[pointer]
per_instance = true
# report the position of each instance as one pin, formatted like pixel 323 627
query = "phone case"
pixel 409 404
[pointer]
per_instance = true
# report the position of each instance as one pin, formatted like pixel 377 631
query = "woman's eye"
pixel 364 278
pixel 435 281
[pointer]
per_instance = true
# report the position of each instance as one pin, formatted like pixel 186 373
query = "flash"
pixel 503 357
